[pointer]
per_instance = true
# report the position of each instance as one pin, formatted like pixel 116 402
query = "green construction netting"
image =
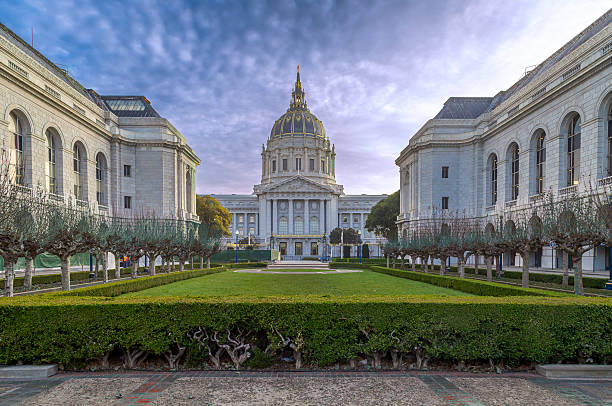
pixel 51 261
pixel 245 255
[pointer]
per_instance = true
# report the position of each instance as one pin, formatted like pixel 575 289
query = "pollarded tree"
pixel 462 240
pixel 575 225
pixel 208 243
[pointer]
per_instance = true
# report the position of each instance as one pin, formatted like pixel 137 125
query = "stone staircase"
pixel 299 265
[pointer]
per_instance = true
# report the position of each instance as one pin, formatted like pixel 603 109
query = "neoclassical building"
pixel 113 154
pixel 550 131
pixel 298 201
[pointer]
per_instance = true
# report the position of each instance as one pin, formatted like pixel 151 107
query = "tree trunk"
pixel 425 262
pixel 489 262
pixel 134 268
pixel 117 267
pixel 475 264
pixel 65 272
pixel 9 272
pixel 402 263
pixel 578 286
pixel 442 265
pixel 413 264
pixel 460 267
pixel 105 267
pixel 191 262
pixel 208 262
pixel 565 271
pixel 525 279
pixel 151 264
pixel 181 265
pixel 27 277
pixel 202 262
pixel 387 261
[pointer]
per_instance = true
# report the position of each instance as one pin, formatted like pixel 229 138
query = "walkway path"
pixel 303 388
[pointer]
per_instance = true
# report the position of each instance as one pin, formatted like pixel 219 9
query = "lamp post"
pixel 359 244
pixel 236 246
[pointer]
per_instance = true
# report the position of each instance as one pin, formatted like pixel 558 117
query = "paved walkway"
pixel 303 388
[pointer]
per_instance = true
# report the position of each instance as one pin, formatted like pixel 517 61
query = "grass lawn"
pixel 259 284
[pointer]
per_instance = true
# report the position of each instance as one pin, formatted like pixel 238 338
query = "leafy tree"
pixel 383 216
pixel 365 251
pixel 335 236
pixel 213 214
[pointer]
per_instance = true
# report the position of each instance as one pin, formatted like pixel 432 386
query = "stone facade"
pixel 298 201
pixel 565 100
pixel 114 154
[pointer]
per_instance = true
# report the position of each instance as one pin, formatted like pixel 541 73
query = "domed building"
pixel 298 201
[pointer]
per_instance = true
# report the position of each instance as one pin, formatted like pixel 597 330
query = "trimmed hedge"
pixel 135 285
pixel 74 276
pixel 477 287
pixel 72 330
pixel 344 265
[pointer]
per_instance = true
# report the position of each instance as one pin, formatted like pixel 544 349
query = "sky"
pixel 374 71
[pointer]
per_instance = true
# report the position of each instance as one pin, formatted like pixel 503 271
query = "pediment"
pixel 298 184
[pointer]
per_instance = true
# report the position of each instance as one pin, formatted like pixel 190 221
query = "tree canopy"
pixel 383 216
pixel 213 214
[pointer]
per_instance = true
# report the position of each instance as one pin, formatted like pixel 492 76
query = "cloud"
pixel 374 72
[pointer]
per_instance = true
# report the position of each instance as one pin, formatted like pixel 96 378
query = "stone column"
pixel 275 216
pixel 322 229
pixel 306 216
pixel 290 219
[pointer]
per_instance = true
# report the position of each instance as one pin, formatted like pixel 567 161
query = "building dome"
pixel 298 120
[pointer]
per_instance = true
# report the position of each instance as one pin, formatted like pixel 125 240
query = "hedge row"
pixel 134 285
pixel 344 265
pixel 512 330
pixel 476 287
pixel 57 277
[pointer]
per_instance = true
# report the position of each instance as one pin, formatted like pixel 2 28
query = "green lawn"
pixel 258 284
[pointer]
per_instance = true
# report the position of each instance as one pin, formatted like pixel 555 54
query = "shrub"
pixel 321 331
pixel 135 285
pixel 473 286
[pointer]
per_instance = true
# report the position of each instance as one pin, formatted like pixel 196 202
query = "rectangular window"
pixel 298 248
pixel 240 218
pixel 311 165
pixel 345 219
pixel 298 164
pixel 127 171
pixel 282 247
pixel 445 203
pixel 322 166
pixel 274 166
pixel 285 164
pixel 127 202
pixel 251 218
pixel 356 219
pixel 251 230
pixel 445 171
pixel 314 248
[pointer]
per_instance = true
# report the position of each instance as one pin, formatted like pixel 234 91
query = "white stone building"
pixel 298 201
pixel 550 131
pixel 115 154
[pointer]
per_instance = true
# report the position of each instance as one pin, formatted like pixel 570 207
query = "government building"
pixel 114 155
pixel 298 201
pixel 549 132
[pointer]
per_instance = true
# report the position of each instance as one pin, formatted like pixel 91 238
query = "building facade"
pixel 298 202
pixel 113 154
pixel 550 132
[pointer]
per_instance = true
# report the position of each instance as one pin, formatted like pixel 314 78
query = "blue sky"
pixel 374 72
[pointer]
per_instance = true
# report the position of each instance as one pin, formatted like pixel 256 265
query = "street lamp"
pixel 359 244
pixel 236 246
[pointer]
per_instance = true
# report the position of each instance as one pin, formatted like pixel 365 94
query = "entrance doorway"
pixel 298 248
pixel 282 247
pixel 314 248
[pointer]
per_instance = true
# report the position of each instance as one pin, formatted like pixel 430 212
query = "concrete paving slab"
pixel 28 371
pixel 574 371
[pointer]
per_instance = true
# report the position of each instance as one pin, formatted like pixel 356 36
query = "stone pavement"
pixel 303 388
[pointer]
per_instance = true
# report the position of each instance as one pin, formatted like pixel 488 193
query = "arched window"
pixel 514 172
pixel 298 225
pixel 540 161
pixel 314 225
pixel 493 179
pixel 78 167
pixel 17 163
pixel 573 150
pixel 101 194
pixel 610 141
pixel 283 226
pixel 188 187
pixel 51 162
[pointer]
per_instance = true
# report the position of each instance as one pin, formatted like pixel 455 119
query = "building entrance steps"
pixel 299 265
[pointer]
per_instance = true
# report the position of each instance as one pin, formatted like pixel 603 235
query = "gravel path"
pixel 304 388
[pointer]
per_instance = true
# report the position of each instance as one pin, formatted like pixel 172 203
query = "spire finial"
pixel 298 98
pixel 298 74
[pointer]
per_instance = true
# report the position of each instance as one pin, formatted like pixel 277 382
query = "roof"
pixel 40 58
pixel 129 106
pixel 464 107
pixel 472 107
